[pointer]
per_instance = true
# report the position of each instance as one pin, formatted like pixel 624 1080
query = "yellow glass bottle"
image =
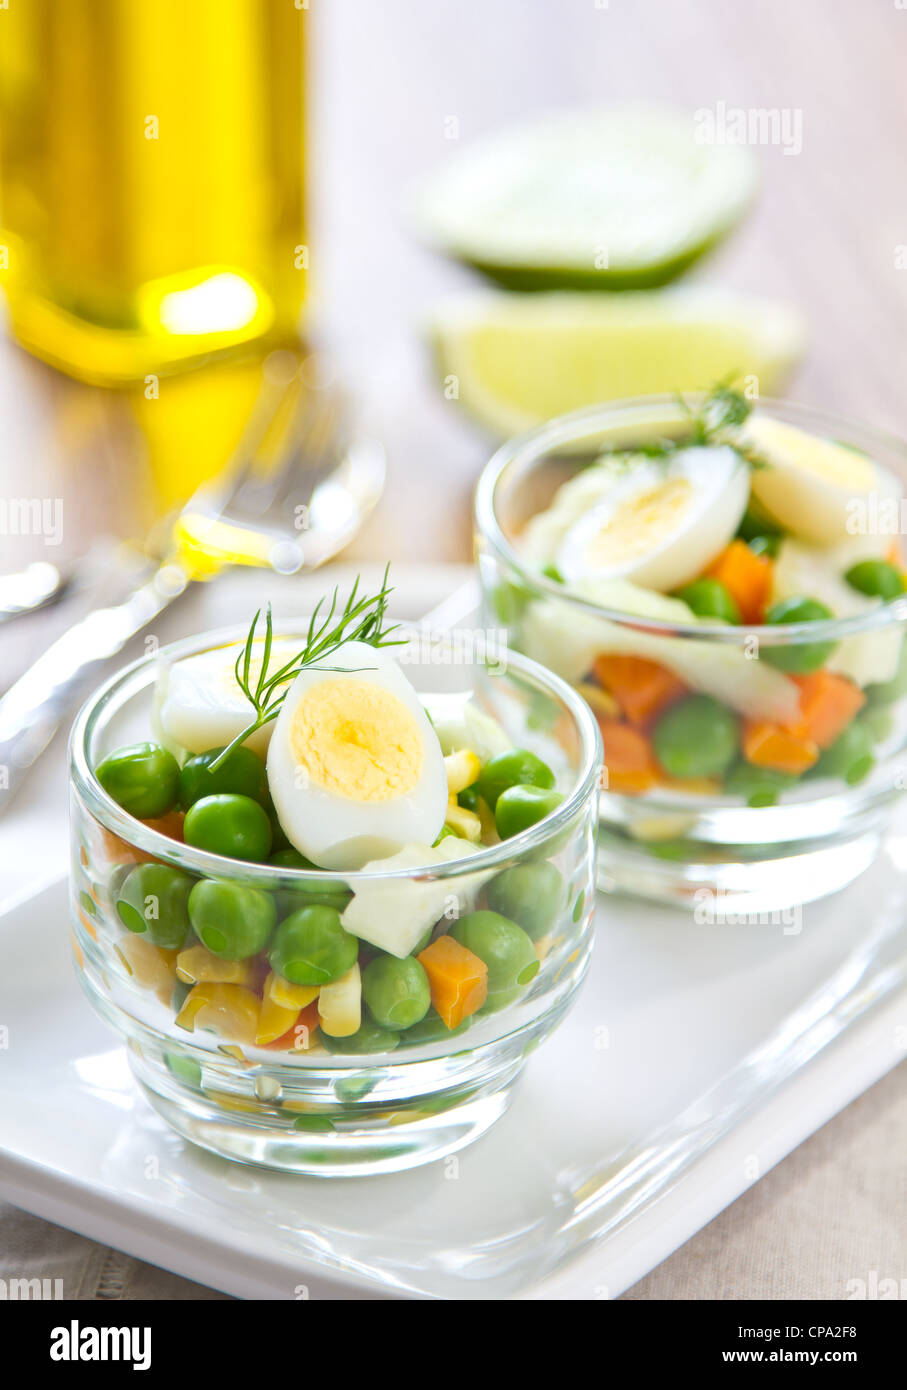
pixel 151 179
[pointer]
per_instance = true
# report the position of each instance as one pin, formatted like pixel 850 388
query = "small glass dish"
pixel 303 1108
pixel 687 844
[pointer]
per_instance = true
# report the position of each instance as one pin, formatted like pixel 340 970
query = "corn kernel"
pixel 601 701
pixel 462 768
pixel 287 995
pixel 340 1005
pixel 462 822
pixel 230 1011
pixel 273 1020
pixel 198 965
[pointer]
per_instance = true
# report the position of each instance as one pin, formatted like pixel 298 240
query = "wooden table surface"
pixel 825 234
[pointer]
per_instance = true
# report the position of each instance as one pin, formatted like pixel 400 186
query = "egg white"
pixel 335 828
pixel 811 485
pixel 659 523
pixel 198 704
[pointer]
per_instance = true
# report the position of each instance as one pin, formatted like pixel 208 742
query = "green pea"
pixel 509 602
pixel 242 773
pixel 314 1124
pixel 709 598
pixel 235 826
pixel 185 1069
pixel 469 797
pixel 396 991
pixel 805 656
pixel 311 947
pixel 697 737
pixel 142 778
pixel 850 756
pixel 506 950
pixel 432 1028
pixel 153 901
pixel 520 807
pixel 758 786
pixel 886 692
pixel 290 858
pixel 675 851
pixel 530 894
pixel 279 837
pixel 233 920
pixel 542 712
pixel 369 1037
pixel 329 891
pixel 756 522
pixel 516 767
pixel 879 721
pixel 877 578
pixel 349 1089
pixel 88 904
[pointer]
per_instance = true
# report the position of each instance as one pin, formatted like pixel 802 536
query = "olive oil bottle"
pixel 151 179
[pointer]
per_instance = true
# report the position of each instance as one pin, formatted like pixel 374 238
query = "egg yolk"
pixel 640 524
pixel 356 739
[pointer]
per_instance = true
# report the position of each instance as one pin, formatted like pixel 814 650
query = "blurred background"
pixel 823 232
pixel 303 136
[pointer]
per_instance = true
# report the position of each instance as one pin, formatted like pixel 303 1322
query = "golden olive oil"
pixel 151 179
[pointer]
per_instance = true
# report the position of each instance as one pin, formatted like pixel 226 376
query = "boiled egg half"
pixel 199 705
pixel 659 523
pixel 355 768
pixel 817 489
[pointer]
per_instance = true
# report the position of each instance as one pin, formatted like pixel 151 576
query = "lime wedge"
pixel 515 360
pixel 617 199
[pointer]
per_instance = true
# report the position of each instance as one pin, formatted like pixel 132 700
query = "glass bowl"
pixel 304 1108
pixel 684 842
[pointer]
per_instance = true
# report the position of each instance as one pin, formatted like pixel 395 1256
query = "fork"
pixel 236 518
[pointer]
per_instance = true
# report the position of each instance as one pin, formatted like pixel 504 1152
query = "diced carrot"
pixel 119 851
pixel 642 688
pixel 630 765
pixel 457 978
pixel 87 924
pixel 170 824
pixel 786 749
pixel 828 703
pixel 747 578
pixel 295 1039
pixel 894 557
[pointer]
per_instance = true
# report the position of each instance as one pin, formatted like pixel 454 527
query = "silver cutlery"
pixel 29 589
pixel 237 518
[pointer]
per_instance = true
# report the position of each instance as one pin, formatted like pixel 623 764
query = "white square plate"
pixel 654 1105
pixel 696 1057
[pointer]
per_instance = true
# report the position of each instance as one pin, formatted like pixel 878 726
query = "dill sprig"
pixel 716 420
pixel 722 409
pixel 362 619
pixel 719 420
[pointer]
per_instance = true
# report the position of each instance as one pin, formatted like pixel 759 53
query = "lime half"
pixel 616 199
pixel 513 360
